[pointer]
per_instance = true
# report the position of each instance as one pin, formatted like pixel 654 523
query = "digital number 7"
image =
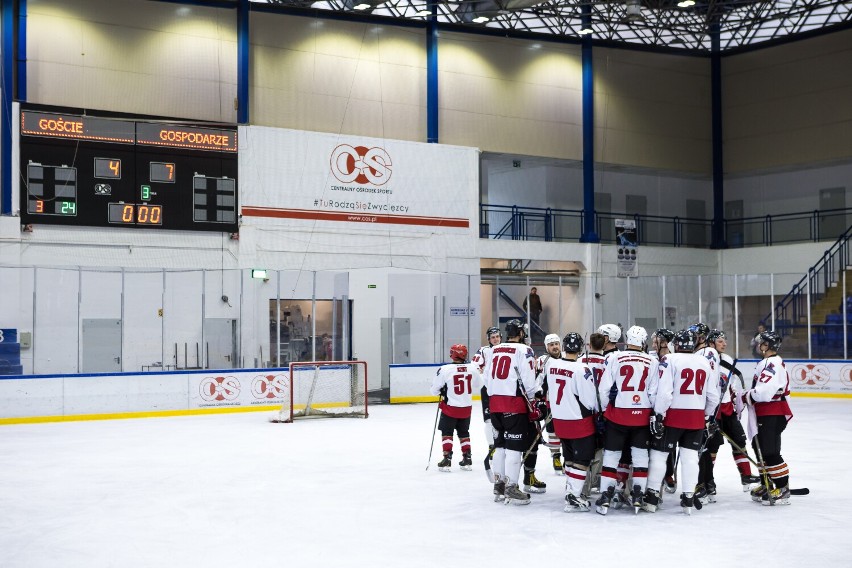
pixel 171 168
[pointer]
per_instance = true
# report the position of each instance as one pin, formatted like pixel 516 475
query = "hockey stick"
pixel 529 410
pixel 434 428
pixel 764 476
pixel 797 491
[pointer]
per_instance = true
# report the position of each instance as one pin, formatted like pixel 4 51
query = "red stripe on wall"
pixel 354 217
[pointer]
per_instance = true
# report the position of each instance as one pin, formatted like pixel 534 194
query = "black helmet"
pixel 666 334
pixel 684 341
pixel 572 343
pixel 700 330
pixel 491 331
pixel 770 338
pixel 715 334
pixel 514 328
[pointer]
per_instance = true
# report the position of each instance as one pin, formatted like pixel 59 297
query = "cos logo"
pixel 811 375
pixel 361 165
pixel 269 386
pixel 219 388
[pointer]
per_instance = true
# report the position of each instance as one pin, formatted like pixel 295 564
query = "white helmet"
pixel 611 331
pixel 552 338
pixel 636 335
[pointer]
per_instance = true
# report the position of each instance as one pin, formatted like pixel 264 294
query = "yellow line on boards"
pixel 147 414
pixel 822 394
pixel 410 399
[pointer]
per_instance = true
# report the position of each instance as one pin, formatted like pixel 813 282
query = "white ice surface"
pixel 235 490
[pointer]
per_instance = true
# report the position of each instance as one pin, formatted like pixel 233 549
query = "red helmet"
pixel 458 351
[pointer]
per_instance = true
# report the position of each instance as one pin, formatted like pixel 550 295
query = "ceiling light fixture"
pixel 362 6
pixel 424 13
pixel 686 4
pixel 586 31
pixel 481 19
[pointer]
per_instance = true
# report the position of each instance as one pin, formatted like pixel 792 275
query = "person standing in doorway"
pixel 534 309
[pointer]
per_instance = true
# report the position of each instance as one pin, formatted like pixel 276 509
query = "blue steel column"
pixel 718 240
pixel 21 55
pixel 7 68
pixel 432 74
pixel 243 48
pixel 589 235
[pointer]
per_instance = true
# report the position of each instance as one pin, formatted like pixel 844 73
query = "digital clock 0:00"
pixel 131 214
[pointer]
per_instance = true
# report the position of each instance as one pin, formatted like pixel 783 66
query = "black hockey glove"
pixel 712 427
pixel 600 424
pixel 613 393
pixel 542 408
pixel 444 393
pixel 657 427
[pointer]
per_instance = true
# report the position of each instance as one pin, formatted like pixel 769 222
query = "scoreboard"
pixel 102 170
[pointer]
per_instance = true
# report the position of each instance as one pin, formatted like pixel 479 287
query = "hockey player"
pixel 660 342
pixel 685 400
pixel 572 396
pixel 660 348
pixel 612 333
pixel 767 399
pixel 732 385
pixel 632 376
pixel 510 381
pixel 554 351
pixel 455 383
pixel 493 337
pixel 594 360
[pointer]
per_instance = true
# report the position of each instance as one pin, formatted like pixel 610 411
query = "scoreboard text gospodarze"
pixel 105 171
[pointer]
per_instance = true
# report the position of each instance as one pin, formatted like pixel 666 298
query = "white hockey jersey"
pixel 634 376
pixel 572 397
pixel 770 388
pixel 595 362
pixel 480 358
pixel 460 380
pixel 509 376
pixel 686 394
pixel 732 385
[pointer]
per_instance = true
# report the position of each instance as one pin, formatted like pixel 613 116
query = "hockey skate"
pixel 603 502
pixel 686 502
pixel 748 482
pixel 575 504
pixel 533 484
pixel 557 464
pixel 515 496
pixel 466 463
pixel 637 498
pixel 669 484
pixel 758 493
pixel 776 496
pixel 702 493
pixel 619 499
pixel 651 501
pixel 446 463
pixel 499 489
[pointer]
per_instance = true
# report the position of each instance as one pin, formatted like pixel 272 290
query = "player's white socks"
pixel 657 469
pixel 689 469
pixel 498 462
pixel 608 469
pixel 513 466
pixel 640 467
pixel 576 478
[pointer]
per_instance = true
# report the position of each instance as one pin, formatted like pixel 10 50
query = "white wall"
pixel 133 56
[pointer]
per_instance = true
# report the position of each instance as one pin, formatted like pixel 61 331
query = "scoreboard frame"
pixel 99 169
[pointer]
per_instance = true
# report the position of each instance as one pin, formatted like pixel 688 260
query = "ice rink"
pixel 235 490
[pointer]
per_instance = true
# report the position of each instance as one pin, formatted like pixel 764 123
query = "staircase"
pixel 824 281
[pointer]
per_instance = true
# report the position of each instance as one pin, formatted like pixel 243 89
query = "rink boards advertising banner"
pixel 299 178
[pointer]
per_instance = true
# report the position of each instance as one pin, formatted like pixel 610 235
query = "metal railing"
pixel 793 307
pixel 549 224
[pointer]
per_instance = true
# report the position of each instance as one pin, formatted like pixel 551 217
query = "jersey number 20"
pixel 688 375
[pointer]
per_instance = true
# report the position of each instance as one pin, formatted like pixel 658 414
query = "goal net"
pixel 320 389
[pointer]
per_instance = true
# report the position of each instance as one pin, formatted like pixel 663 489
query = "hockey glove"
pixel 712 426
pixel 542 408
pixel 600 424
pixel 444 393
pixel 746 398
pixel 534 413
pixel 657 427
